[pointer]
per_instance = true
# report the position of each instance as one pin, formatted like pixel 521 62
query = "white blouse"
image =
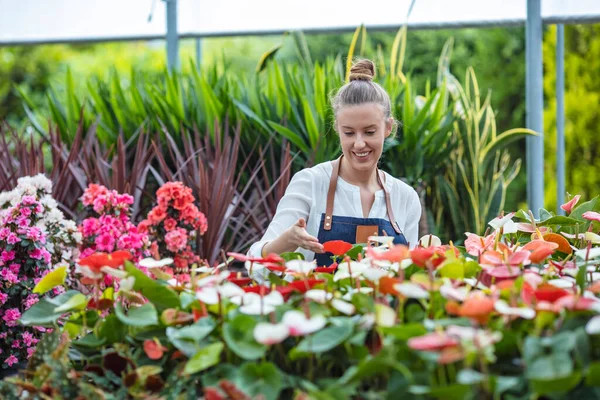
pixel 306 197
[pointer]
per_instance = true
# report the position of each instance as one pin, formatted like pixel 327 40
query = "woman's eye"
pixel 348 133
pixel 371 133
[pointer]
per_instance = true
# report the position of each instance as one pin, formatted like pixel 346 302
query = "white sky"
pixel 59 20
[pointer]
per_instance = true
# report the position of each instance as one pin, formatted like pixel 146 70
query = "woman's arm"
pixel 287 231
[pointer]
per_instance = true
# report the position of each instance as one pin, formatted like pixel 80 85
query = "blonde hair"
pixel 361 89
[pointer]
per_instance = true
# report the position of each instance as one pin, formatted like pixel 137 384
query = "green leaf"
pixel 559 220
pixel 355 251
pixel 328 338
pixel 593 374
pixel 53 279
pixel 43 312
pixel 266 57
pixel 556 385
pixel 453 270
pixel 187 339
pixel 449 392
pixel 77 302
pixel 292 256
pixel 137 316
pixel 90 341
pixel 581 277
pixel 290 135
pixel 578 211
pixel 205 358
pixel 405 331
pixel 112 330
pixel 260 379
pixel 161 296
pixel 550 367
pixel 239 336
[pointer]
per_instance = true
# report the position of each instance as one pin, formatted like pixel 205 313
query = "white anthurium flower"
pixel 255 304
pixel 411 290
pixel 257 308
pixel 204 269
pixel 430 240
pixel 593 253
pixel 366 321
pixel 127 284
pixel 384 315
pixel 509 227
pixel 269 334
pixel 457 294
pixel 300 266
pixel 387 240
pixel 318 295
pixel 256 267
pixel 299 325
pixel 500 222
pixel 407 262
pixel 343 306
pixel 592 237
pixel 117 273
pixel 349 269
pixel 374 274
pixel 593 326
pixel 469 334
pixel 212 280
pixel 208 295
pixel 152 263
pixel 472 281
pixel 563 283
pixel 573 236
pixel 87 272
pixel 523 312
pixel 211 294
pixel 351 291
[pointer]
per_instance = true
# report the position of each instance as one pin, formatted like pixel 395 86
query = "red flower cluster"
pixel 175 224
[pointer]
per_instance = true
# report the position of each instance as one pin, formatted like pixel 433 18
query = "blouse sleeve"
pixel 413 216
pixel 296 203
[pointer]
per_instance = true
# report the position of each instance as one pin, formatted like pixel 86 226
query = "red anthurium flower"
pixel 275 267
pixel 328 270
pixel 305 285
pixel 198 314
pixel 395 254
pixel 450 355
pixel 420 255
pixel 568 206
pixel 98 260
pixel 260 289
pixel 591 216
pixel 337 247
pixel 574 303
pixel 238 279
pixel 286 291
pixel 100 305
pixel 153 349
pixel 549 293
pixel 432 342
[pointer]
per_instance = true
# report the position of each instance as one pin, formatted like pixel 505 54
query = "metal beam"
pixel 560 118
pixel 172 36
pixel 535 106
pixel 343 29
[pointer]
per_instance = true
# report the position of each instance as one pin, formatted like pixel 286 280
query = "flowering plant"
pixel 109 228
pixel 175 224
pixel 515 313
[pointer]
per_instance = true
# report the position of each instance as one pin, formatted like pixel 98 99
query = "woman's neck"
pixel 364 179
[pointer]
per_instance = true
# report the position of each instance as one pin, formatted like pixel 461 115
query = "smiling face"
pixel 362 129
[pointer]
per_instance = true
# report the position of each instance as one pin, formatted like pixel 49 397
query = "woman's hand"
pixel 292 238
pixel 297 236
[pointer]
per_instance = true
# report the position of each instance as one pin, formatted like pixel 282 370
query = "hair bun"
pixel 362 70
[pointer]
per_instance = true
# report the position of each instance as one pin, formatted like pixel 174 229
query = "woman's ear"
pixel 389 126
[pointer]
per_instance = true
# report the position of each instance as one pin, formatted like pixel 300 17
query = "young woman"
pixel 349 198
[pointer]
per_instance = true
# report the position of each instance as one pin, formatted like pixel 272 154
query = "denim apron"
pixel 350 229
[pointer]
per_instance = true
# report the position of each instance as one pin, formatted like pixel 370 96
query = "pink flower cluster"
pixel 110 228
pixel 24 259
pixel 175 224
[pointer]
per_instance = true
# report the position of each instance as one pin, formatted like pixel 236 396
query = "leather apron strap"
pixel 331 196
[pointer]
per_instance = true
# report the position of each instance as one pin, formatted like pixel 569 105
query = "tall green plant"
pixel 472 190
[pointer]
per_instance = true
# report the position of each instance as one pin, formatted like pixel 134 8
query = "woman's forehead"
pixel 362 115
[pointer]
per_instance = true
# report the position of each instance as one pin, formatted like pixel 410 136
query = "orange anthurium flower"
pixel 386 285
pixel 395 254
pixel 153 349
pixel 477 307
pixel 420 255
pixel 337 247
pixel 98 260
pixel 540 250
pixel 450 355
pixel 563 244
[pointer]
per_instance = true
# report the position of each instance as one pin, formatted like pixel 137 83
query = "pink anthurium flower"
pixel 476 244
pixel 591 216
pixel 300 325
pixel 568 206
pixel 432 342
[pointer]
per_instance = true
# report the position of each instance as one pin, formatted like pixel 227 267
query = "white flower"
pixel 318 295
pixel 593 253
pixel 300 266
pixel 407 262
pixel 384 315
pixel 374 274
pixel 351 291
pixel 212 280
pixel 562 283
pixel 592 237
pixel 343 306
pixel 346 270
pixel 500 222
pixel 477 336
pixel 269 334
pixel 211 294
pixel 452 293
pixel 411 290
pixel 387 240
pixel 126 284
pixel 255 304
pixel 152 263
pixel 38 182
pixel 299 325
pixel 593 326
pixel 430 240
pixel 523 312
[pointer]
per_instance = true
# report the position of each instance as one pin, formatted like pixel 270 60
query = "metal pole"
pixel 535 107
pixel 560 118
pixel 198 53
pixel 172 37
